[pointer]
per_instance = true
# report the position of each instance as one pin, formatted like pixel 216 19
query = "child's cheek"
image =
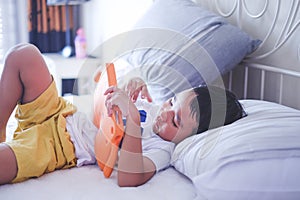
pixel 167 132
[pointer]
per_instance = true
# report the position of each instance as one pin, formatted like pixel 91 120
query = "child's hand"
pixel 136 86
pixel 117 98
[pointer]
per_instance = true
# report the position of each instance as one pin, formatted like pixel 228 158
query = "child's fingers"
pixel 111 107
pixel 145 93
pixel 131 88
pixel 109 99
pixel 135 95
pixel 108 104
pixel 110 90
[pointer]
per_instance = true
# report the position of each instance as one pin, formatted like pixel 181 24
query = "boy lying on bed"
pixel 45 139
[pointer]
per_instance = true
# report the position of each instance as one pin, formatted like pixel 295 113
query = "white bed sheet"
pixel 89 183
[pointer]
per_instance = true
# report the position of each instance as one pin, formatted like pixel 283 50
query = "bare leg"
pixel 8 166
pixel 25 76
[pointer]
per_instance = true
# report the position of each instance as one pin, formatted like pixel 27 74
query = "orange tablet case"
pixel 110 129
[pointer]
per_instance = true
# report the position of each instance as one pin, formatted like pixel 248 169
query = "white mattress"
pixel 88 182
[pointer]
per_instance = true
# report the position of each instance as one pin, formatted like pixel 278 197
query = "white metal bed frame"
pixel 264 69
pixel 277 24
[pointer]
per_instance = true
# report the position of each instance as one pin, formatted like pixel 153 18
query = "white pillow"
pixel 258 155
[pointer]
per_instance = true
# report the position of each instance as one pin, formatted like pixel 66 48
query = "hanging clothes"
pixel 47 25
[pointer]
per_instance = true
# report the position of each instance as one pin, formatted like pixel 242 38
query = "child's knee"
pixel 22 46
pixel 21 53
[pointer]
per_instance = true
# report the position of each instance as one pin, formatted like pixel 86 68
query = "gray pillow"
pixel 195 44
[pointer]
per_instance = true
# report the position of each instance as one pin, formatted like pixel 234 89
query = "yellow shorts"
pixel 41 143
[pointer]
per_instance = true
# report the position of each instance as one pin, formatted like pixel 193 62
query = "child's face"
pixel 174 121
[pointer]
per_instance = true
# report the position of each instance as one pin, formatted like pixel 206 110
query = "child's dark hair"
pixel 223 102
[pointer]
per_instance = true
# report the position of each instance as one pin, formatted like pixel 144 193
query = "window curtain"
pixel 47 25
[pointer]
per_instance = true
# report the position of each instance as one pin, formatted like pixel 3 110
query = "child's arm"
pixel 133 168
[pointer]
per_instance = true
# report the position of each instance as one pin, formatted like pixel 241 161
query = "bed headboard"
pixel 272 72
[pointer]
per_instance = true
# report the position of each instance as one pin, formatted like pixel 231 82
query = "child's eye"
pixel 174 122
pixel 171 102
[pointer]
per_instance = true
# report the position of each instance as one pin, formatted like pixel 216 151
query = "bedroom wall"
pixel 103 19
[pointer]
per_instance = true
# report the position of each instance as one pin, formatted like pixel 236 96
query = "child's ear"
pixel 97 75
